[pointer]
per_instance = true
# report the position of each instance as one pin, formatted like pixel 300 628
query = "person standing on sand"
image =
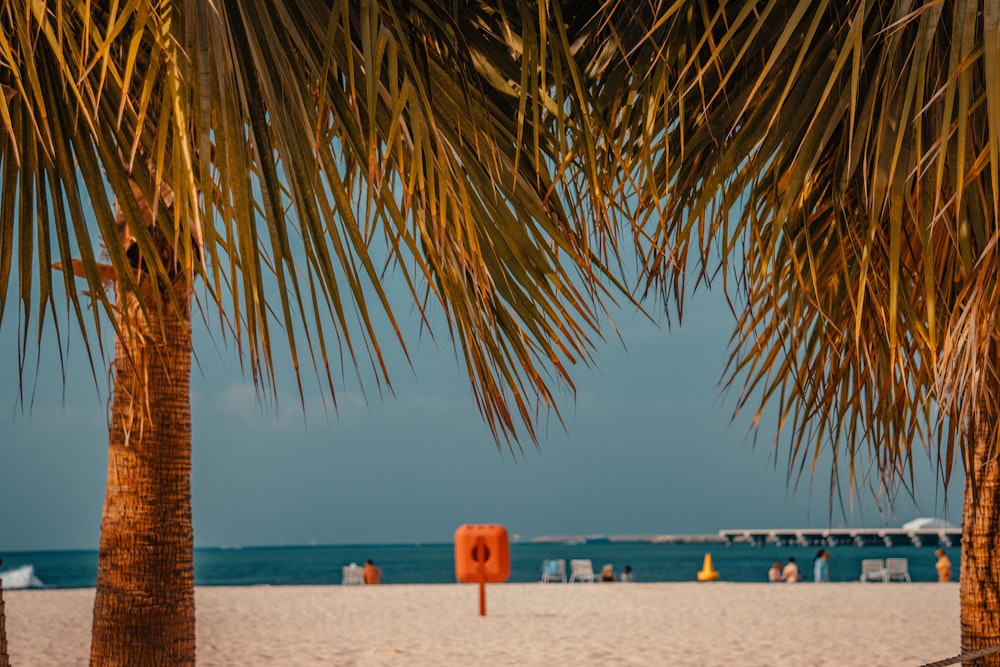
pixel 943 566
pixel 791 571
pixel 372 574
pixel 821 566
pixel 774 575
pixel 627 574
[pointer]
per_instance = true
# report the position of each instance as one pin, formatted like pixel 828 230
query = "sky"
pixel 648 446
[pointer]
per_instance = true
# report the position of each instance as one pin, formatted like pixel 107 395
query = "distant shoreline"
pixel 707 538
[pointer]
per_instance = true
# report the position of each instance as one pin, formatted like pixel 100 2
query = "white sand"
pixel 530 624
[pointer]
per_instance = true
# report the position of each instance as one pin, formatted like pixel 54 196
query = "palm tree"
pixel 285 155
pixel 844 161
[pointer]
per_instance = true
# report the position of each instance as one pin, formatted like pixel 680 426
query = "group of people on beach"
pixel 821 568
pixel 787 572
pixel 608 573
pixel 790 571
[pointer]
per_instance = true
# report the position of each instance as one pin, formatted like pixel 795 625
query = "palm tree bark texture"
pixel 4 658
pixel 144 605
pixel 980 575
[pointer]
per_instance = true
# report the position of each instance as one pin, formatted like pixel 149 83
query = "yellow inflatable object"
pixel 707 572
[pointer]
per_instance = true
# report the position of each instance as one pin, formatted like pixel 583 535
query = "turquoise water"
pixel 434 563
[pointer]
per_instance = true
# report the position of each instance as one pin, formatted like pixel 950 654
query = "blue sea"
pixel 434 563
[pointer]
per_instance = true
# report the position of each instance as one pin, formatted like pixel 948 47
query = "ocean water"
pixel 435 563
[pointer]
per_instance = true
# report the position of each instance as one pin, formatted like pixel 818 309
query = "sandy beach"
pixel 529 624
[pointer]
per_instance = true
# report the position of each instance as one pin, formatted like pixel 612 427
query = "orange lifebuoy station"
pixel 482 555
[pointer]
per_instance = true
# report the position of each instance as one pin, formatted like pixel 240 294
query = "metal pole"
pixel 480 551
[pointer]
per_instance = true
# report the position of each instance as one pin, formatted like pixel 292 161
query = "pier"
pixel 945 537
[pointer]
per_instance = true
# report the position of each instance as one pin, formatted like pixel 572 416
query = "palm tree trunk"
pixel 144 606
pixel 980 573
pixel 4 658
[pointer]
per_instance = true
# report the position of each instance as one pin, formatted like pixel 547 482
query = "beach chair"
pixel 897 569
pixel 352 575
pixel 554 570
pixel 873 569
pixel 581 570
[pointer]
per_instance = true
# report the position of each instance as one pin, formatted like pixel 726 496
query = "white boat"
pixel 20 577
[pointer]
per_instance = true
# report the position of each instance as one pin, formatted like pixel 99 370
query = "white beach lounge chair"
pixel 352 575
pixel 581 570
pixel 554 570
pixel 897 569
pixel 873 569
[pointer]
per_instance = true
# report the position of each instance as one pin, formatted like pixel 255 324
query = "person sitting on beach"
pixel 372 574
pixel 608 573
pixel 943 565
pixel 821 566
pixel 791 571
pixel 775 573
pixel 627 574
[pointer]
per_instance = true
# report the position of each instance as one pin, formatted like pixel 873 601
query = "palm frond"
pixel 488 153
pixel 849 152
